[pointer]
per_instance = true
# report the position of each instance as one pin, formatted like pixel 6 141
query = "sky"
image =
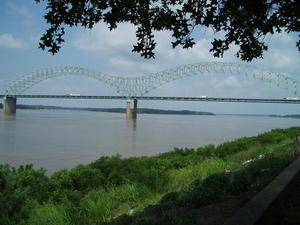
pixel 22 24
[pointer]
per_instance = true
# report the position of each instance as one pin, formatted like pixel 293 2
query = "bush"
pixel 242 181
pixel 274 137
pixel 61 180
pixel 17 187
pixel 129 194
pixel 217 182
pixel 49 214
pixel 86 178
pixel 228 148
pixel 70 184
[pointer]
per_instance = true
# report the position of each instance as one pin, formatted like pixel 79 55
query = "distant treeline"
pixel 144 110
pixel 287 116
pixel 116 110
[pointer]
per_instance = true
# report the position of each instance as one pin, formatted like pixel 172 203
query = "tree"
pixel 244 22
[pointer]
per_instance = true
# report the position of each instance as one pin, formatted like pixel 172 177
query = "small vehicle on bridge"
pixel 291 98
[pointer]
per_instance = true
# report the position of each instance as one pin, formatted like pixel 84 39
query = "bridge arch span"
pixel 20 85
pixel 278 79
pixel 139 86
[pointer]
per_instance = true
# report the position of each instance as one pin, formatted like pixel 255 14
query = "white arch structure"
pixel 139 86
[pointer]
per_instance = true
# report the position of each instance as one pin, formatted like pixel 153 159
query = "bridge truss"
pixel 141 85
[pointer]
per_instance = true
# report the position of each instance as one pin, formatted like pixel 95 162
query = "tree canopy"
pixel 244 23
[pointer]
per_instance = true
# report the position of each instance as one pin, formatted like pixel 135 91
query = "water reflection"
pixel 131 127
pixel 9 123
pixel 7 134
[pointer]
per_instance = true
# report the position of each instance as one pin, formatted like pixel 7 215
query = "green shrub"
pixel 61 180
pixel 98 207
pixel 71 184
pixel 169 199
pixel 182 177
pixel 101 206
pixel 129 193
pixel 274 137
pixel 242 181
pixel 17 187
pixel 231 147
pixel 206 151
pixel 155 179
pixel 85 178
pixel 218 182
pixel 49 214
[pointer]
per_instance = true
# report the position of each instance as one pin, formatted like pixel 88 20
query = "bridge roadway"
pixel 204 99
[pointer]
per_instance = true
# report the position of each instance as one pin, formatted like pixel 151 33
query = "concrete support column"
pixel 134 115
pixel 129 115
pixel 9 105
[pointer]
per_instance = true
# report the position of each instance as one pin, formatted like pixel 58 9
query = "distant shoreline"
pixel 148 111
pixel 115 110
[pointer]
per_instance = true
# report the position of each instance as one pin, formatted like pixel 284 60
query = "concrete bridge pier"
pixel 131 114
pixel 9 105
pixel 134 114
pixel 128 111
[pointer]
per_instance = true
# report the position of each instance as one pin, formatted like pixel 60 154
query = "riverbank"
pixel 184 186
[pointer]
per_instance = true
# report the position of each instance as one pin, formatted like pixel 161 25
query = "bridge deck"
pixel 204 99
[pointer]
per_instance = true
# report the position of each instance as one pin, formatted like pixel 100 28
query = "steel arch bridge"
pixel 139 86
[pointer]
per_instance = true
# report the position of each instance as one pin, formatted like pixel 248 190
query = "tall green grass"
pixel 180 178
pixel 49 214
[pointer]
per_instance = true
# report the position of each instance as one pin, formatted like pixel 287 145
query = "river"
pixel 56 139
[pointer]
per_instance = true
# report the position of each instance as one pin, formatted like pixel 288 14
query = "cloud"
pixel 103 41
pixel 229 82
pixel 1 83
pixel 115 47
pixel 282 55
pixel 22 11
pixel 134 67
pixel 8 41
pixel 119 42
pixel 198 53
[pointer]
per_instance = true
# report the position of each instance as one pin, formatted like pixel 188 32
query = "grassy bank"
pixel 177 187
